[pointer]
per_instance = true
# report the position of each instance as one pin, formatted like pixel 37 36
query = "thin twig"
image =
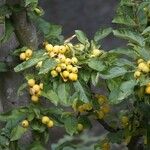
pixel 108 127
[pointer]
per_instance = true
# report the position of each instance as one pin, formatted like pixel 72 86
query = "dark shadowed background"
pixel 86 15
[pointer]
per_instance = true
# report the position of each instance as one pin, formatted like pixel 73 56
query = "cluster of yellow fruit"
pixel 84 107
pixel 104 106
pixel 143 67
pixel 26 55
pixel 47 121
pixel 124 121
pixel 35 90
pixel 25 123
pixel 66 67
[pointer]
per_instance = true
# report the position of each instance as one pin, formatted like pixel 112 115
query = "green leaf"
pixel 82 37
pixel 125 62
pixel 95 78
pixel 144 53
pixel 83 95
pixel 28 2
pixel 21 88
pixel 8 32
pixel 71 125
pixel 126 89
pixel 114 72
pixel 3 67
pixel 52 96
pixel 116 137
pixel 124 19
pixel 127 2
pixel 102 33
pixel 146 31
pixel 96 65
pixel 124 51
pixel 47 65
pixel 11 115
pixel 63 93
pixel 4 141
pixel 50 31
pixel 31 62
pixel 119 94
pixel 130 36
pixel 17 133
pixel 4 10
pixel 36 146
pixel 39 127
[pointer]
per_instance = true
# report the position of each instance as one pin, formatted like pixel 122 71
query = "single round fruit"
pixel 32 91
pixel 74 70
pixel 100 114
pixel 68 46
pixel 105 108
pixel 148 84
pixel 143 67
pixel 22 56
pixel 63 66
pixel 49 47
pixel 56 49
pixel 68 61
pixel 87 106
pixel 74 60
pixel 102 99
pixel 41 86
pixel 27 58
pixel 62 49
pixel 73 76
pixel 35 98
pixel 52 54
pixel 96 52
pixel 147 90
pixel 106 146
pixel 148 63
pixel 28 53
pixel 81 109
pixel 50 124
pixel 80 127
pixel 137 74
pixel 79 47
pixel 124 119
pixel 65 74
pixel 45 120
pixel 25 123
pixel 61 56
pixel 54 73
pixel 58 69
pixel 62 60
pixel 146 69
pixel 140 61
pixel 36 87
pixel 38 93
pixel 31 82
pixel 69 68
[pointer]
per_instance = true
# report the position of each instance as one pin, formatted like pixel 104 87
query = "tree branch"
pixel 25 29
pixel 108 127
